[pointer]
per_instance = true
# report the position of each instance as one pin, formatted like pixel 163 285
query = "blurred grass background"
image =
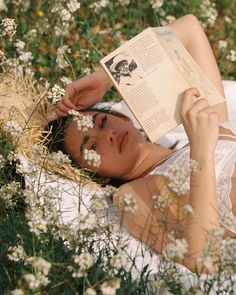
pixel 92 29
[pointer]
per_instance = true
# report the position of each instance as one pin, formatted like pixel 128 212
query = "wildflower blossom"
pixel 110 287
pixel 65 15
pixel 16 253
pixel 124 2
pixel 60 158
pixel 119 261
pixel 97 6
pixel 90 291
pixel 232 55
pixel 26 57
pixel 222 44
pixel 13 128
pixel 13 64
pixel 88 221
pixel 160 202
pixel 31 280
pixel 178 180
pixel 84 260
pixel 128 203
pixel 9 27
pixel 7 192
pixel 109 190
pixel 83 122
pixel 17 292
pixel 61 52
pixel 92 157
pixel 156 4
pixel 99 204
pixel 188 209
pixel 73 6
pixel 36 220
pixel 2 161
pixel 55 94
pixel 209 13
pixel 3 6
pixel 228 19
pixel 66 81
pixel 41 266
pixel 20 45
pixel 177 248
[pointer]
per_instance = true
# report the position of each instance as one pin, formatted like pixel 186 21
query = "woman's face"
pixel 114 138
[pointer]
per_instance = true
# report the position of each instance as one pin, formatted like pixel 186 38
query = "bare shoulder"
pixel 144 189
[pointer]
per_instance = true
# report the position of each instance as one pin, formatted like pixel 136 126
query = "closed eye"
pixel 103 121
pixel 93 147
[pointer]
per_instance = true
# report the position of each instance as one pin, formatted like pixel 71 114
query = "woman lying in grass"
pixel 124 154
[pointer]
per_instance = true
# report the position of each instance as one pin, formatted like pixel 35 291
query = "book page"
pixel 149 82
pixel 190 70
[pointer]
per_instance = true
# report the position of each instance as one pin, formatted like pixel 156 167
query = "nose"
pixel 110 135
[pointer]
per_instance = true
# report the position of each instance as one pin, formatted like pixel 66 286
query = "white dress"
pixel 225 158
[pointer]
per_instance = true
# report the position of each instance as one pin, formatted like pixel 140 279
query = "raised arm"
pixel 189 31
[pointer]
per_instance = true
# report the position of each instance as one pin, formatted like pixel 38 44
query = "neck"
pixel 150 156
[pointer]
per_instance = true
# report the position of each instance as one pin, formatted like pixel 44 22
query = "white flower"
pixel 59 158
pixel 31 280
pixel 7 192
pixel 156 4
pixel 65 15
pixel 178 179
pixel 124 2
pixel 16 253
pixel 14 66
pixel 55 94
pixel 228 19
pixel 61 53
pixel 17 292
pixel 176 249
pixel 90 291
pixel 85 260
pixel 36 220
pixel 98 204
pixel 92 157
pixel 222 44
pixel 20 45
pixel 3 6
pixel 188 209
pixel 160 202
pixel 232 55
pixel 109 190
pixel 13 128
pixel 83 122
pixel 26 57
pixel 66 81
pixel 41 266
pixel 128 203
pixel 110 287
pixel 99 4
pixel 119 261
pixel 2 161
pixel 9 27
pixel 73 5
pixel 209 13
pixel 88 221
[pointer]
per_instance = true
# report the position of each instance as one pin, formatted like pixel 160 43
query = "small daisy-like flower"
pixel 92 157
pixel 128 203
pixel 84 122
pixel 176 249
pixel 222 44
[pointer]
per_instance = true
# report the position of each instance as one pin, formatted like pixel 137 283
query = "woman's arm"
pixel 189 31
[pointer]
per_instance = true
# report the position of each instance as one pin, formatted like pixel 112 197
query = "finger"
pixel 197 106
pixel 187 99
pixel 60 113
pixel 67 102
pixel 63 108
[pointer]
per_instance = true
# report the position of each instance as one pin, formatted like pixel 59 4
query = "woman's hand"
pixel 83 93
pixel 200 123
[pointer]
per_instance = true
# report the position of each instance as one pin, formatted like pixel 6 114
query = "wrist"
pixel 104 78
pixel 202 157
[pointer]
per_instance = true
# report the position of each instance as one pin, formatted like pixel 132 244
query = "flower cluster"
pixel 59 158
pixel 160 202
pixel 8 192
pixel 110 287
pixel 178 179
pixel 13 128
pixel 120 261
pixel 61 56
pixel 83 262
pixel 177 248
pixel 83 122
pixel 209 13
pixel 8 27
pixel 87 221
pixel 98 5
pixel 16 253
pixel 55 94
pixel 92 157
pixel 156 4
pixel 232 55
pixel 128 203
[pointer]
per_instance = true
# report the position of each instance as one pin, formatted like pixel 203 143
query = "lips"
pixel 122 140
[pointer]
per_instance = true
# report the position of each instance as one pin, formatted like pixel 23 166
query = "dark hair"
pixel 56 142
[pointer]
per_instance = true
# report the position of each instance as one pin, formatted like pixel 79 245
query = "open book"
pixel 151 71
